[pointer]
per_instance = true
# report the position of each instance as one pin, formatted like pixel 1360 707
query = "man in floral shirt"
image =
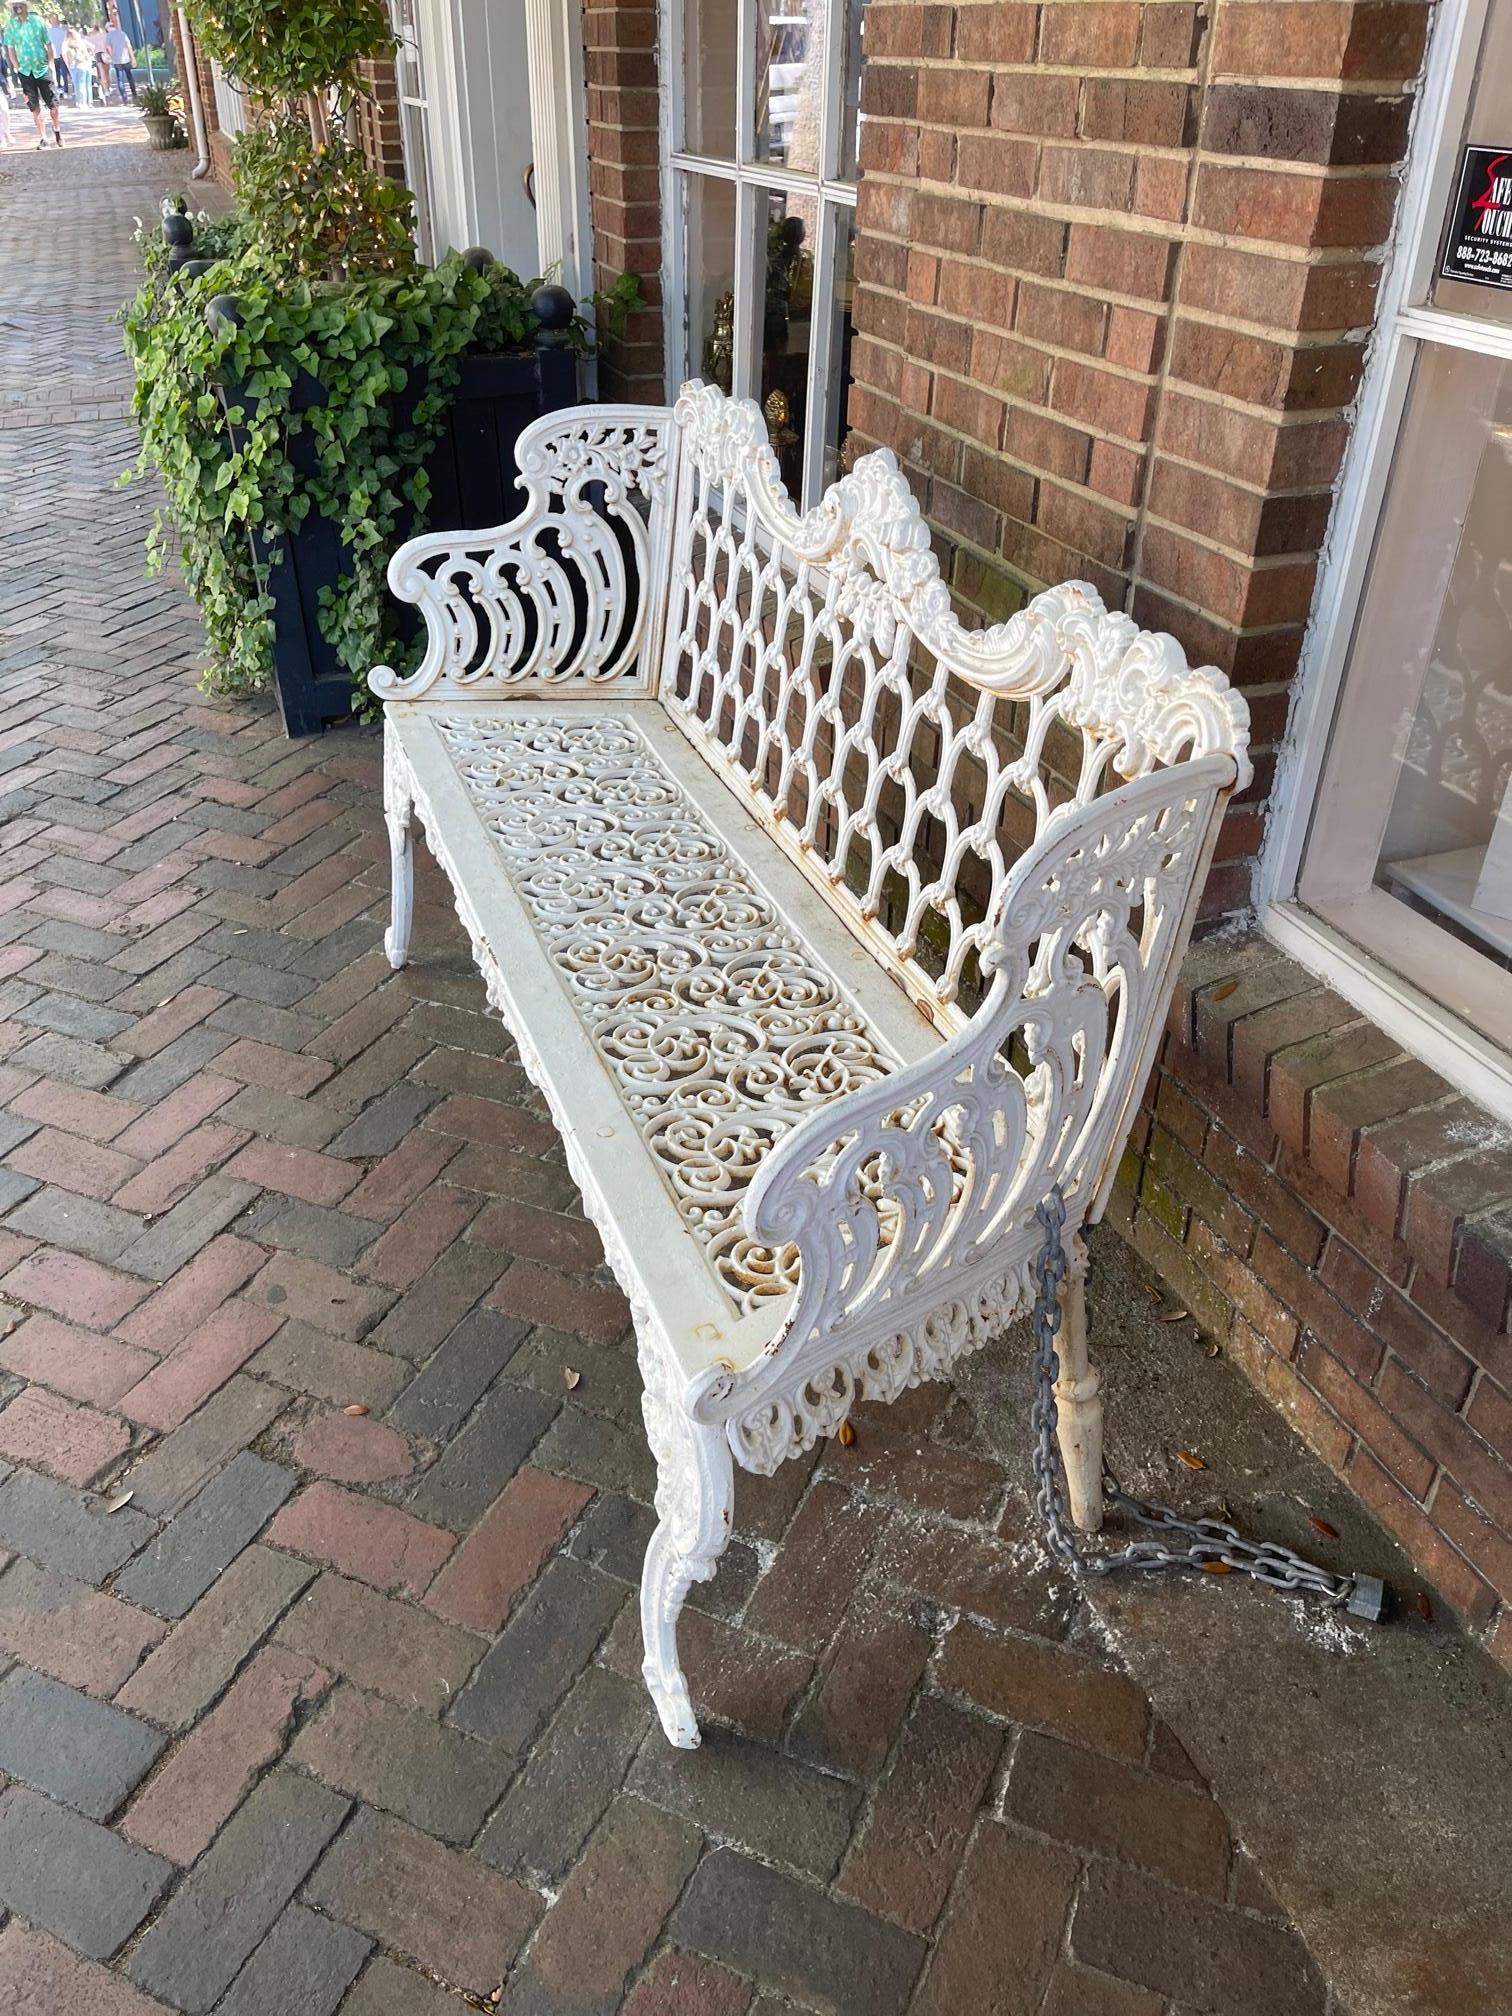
pixel 30 53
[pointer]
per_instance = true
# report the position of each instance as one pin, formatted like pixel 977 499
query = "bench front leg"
pixel 695 1492
pixel 399 816
pixel 1078 1396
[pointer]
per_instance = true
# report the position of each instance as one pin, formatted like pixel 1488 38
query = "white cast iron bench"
pixel 835 934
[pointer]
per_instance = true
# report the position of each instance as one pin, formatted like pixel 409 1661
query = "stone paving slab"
pixel 341 1711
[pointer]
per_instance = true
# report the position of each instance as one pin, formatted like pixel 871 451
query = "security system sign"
pixel 1479 248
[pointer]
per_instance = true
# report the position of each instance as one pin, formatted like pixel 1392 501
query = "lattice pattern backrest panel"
pixel 905 761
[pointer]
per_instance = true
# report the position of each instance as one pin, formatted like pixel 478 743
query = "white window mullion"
pixel 832 110
pixel 745 87
pixel 750 262
pixel 822 365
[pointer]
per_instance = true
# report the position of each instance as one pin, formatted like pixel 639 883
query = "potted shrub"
pixel 302 427
pixel 159 109
pixel 298 371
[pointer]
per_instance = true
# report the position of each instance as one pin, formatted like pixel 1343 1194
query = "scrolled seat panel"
pixel 721 1024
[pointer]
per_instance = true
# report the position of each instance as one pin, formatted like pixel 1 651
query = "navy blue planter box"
pixel 473 483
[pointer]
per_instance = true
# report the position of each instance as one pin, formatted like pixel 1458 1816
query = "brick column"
pixel 1117 265
pixel 624 180
pixel 1304 118
pixel 377 117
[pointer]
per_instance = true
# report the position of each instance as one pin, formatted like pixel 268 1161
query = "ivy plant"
pixel 305 395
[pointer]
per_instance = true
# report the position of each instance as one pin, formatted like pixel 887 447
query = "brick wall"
pixel 1342 1219
pixel 377 117
pixel 1117 264
pixel 619 39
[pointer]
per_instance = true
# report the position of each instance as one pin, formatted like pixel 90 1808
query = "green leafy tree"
pixel 285 51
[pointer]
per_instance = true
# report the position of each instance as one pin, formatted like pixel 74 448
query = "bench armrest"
pixel 911 1201
pixel 569 591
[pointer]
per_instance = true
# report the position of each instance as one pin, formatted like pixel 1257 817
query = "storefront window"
pixel 1488 124
pixel 1411 851
pixel 764 201
pixel 1403 867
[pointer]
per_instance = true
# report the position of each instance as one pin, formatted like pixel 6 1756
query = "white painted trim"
pixel 1478 1067
pixel 559 140
pixel 1456 332
pixel 823 364
pixel 675 362
pixel 443 95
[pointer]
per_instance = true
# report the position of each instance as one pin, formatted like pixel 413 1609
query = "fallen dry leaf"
pixel 1222 993
pixel 1192 1462
pixel 1217 1567
pixel 571 1379
pixel 1424 1607
pixel 845 1435
pixel 1322 1526
pixel 357 1408
pixel 1175 1316
pixel 120 1501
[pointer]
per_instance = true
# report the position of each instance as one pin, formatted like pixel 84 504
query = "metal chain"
pixel 1212 1544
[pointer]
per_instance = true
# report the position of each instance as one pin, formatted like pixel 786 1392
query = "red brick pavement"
pixel 341 1709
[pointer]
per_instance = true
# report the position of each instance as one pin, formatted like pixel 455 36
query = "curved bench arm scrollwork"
pixel 910 1202
pixel 560 592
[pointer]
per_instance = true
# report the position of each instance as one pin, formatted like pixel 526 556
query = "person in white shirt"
pixel 122 60
pixel 57 35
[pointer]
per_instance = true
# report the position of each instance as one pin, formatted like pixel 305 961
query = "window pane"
pixel 851 54
pixel 784 314
pixel 1447 847
pixel 838 362
pixel 789 81
pixel 709 263
pixel 1411 846
pixel 710 37
pixel 1489 124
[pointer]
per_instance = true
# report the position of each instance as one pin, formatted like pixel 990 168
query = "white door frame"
pixel 1403 322
pixel 559 136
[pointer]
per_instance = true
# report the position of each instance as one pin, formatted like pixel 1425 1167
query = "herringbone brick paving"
pixel 341 1708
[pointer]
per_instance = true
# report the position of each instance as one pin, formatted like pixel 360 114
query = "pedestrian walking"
pixel 31 55
pixel 81 67
pixel 122 61
pixel 57 36
pixel 99 45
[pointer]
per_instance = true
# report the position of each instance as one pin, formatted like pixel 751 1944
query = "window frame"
pixel 753 180
pixel 1406 322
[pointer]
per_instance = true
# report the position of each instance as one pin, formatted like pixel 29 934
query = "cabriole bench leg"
pixel 399 815
pixel 695 1492
pixel 1078 1397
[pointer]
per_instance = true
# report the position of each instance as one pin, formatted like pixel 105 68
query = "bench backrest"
pixel 925 777
pixel 905 761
